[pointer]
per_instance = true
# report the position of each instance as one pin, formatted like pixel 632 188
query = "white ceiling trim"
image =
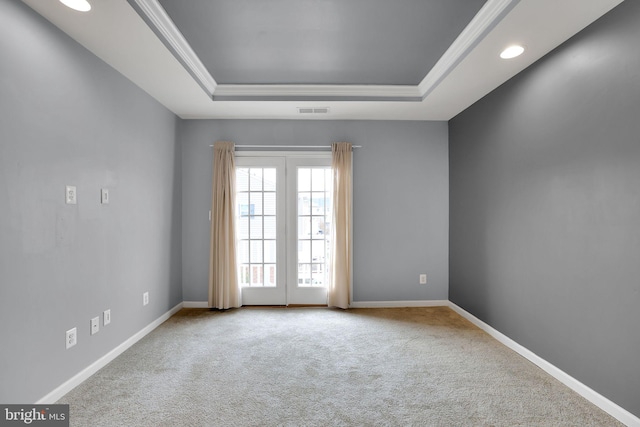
pixel 117 32
pixel 155 15
pixel 486 19
pixel 292 91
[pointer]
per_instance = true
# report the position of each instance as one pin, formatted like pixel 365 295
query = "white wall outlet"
pixel 95 325
pixel 71 337
pixel 423 279
pixel 145 298
pixel 71 195
pixel 104 196
pixel 106 317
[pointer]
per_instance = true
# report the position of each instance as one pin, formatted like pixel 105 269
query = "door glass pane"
pixel 256 275
pixel 317 251
pixel 304 179
pixel 243 228
pixel 269 229
pixel 255 202
pixel 244 275
pixel 317 203
pixel 328 180
pixel 304 251
pixel 269 203
pixel 255 179
pixel 255 224
pixel 242 179
pixel 269 179
pixel 318 227
pixel 319 278
pixel 304 274
pixel 304 227
pixel 270 251
pixel 270 275
pixel 304 203
pixel 242 199
pixel 256 251
pixel 243 249
pixel 317 179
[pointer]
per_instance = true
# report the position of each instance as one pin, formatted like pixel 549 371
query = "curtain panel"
pixel 223 281
pixel 340 286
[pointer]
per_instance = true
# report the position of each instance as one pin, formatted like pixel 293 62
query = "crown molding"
pixel 318 91
pixel 485 20
pixel 159 21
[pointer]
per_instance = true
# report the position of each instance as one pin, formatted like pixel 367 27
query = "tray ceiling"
pixel 356 42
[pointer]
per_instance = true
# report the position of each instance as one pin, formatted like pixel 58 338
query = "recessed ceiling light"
pixel 80 5
pixel 512 52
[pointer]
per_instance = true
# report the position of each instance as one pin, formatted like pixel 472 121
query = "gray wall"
pixel 545 207
pixel 66 118
pixel 400 199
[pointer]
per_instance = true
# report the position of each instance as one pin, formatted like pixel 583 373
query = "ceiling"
pixel 355 42
pixel 356 59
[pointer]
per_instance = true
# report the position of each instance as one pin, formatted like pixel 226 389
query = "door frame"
pixel 286 229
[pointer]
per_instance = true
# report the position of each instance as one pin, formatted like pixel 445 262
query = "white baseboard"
pixel 356 304
pixel 592 396
pixel 195 304
pixel 77 379
pixel 399 304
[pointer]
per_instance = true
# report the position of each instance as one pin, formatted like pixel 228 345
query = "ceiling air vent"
pixel 321 110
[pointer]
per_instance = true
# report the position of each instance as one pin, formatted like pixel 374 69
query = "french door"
pixel 284 209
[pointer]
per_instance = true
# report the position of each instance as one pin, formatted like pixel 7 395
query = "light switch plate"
pixel 106 317
pixel 95 325
pixel 104 196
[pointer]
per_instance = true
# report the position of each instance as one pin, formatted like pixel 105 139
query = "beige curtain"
pixel 340 287
pixel 223 281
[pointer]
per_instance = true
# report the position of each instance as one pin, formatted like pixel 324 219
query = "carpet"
pixel 325 367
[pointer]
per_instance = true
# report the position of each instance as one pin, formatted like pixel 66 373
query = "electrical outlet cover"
pixel 71 195
pixel 71 338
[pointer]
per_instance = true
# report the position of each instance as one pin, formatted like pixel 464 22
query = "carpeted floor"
pixel 324 367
